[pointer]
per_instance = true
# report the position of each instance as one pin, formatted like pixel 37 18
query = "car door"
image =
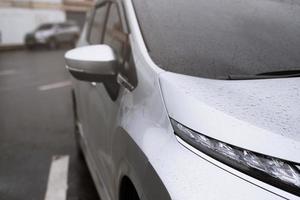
pixel 101 101
pixel 88 100
pixel 61 33
pixel 104 98
pixel 44 32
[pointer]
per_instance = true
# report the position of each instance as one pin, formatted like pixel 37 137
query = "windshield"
pixel 217 38
pixel 44 27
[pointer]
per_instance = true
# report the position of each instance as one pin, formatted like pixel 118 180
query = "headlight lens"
pixel 277 172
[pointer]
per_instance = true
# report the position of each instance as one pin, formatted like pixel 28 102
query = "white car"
pixel 190 100
pixel 53 34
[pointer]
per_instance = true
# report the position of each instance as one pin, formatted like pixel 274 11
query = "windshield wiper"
pixel 265 75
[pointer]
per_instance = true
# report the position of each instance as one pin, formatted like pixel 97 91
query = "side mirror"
pixel 94 63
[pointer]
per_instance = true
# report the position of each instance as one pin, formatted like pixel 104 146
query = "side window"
pixel 114 35
pixel 64 25
pixel 97 24
pixel 117 39
pixel 45 27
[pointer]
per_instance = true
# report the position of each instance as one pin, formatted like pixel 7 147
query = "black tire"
pixel 128 191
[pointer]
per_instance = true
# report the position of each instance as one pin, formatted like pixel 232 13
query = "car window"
pixel 117 38
pixel 97 24
pixel 45 27
pixel 64 25
pixel 218 38
pixel 114 35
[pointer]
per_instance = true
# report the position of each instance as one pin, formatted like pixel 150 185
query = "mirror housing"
pixel 94 63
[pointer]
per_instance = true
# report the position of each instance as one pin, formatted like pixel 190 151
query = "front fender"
pixel 131 161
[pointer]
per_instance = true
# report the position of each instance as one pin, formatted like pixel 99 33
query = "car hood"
pixel 259 115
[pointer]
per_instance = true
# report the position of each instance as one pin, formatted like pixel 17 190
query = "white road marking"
pixel 55 85
pixel 58 176
pixel 7 72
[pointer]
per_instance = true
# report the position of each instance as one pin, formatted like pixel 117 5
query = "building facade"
pixel 18 17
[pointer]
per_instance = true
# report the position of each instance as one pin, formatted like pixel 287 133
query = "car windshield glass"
pixel 64 25
pixel 45 27
pixel 218 38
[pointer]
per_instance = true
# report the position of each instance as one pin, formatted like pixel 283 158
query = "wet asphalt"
pixel 36 125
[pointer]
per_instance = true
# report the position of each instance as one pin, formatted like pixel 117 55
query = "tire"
pixel 128 191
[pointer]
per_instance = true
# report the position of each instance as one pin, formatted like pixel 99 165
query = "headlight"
pixel 279 173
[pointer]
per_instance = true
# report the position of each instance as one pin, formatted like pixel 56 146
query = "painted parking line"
pixel 58 176
pixel 7 72
pixel 54 85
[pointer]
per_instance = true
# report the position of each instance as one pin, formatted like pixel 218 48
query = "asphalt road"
pixel 36 124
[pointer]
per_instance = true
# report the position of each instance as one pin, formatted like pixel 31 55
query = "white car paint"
pixel 91 53
pixel 259 115
pixel 42 36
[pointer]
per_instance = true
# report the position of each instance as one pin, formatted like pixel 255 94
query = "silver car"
pixel 189 100
pixel 53 34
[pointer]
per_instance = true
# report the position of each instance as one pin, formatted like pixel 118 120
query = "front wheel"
pixel 127 190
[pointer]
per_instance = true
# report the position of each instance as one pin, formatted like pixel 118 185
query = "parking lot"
pixel 37 146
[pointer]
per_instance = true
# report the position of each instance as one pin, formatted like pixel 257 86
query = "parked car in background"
pixel 190 100
pixel 53 35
